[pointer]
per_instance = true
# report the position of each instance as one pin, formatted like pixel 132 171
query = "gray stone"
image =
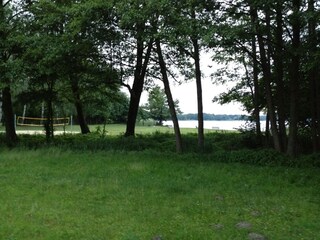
pixel 243 225
pixel 218 197
pixel 255 213
pixel 217 226
pixel 157 238
pixel 256 236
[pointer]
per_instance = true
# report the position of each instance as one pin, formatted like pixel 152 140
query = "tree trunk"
pixel 8 115
pixel 199 95
pixel 48 125
pixel 1 107
pixel 313 78
pixel 169 97
pixel 136 91
pixel 278 64
pixel 267 130
pixel 138 82
pixel 78 104
pixel 294 80
pixel 266 69
pixel 256 95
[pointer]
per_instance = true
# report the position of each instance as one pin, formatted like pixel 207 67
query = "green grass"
pixel 55 194
pixel 115 129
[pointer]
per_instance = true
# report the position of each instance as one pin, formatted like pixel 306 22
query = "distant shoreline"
pixel 215 117
pixel 212 124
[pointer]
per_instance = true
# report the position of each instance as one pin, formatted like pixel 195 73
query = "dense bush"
pixel 220 147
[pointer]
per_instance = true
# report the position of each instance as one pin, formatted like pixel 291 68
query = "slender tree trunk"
pixel 256 96
pixel 313 77
pixel 169 97
pixel 294 80
pixel 48 125
pixel 138 82
pixel 8 115
pixel 267 130
pixel 1 107
pixel 136 90
pixel 78 104
pixel 266 69
pixel 199 95
pixel 278 64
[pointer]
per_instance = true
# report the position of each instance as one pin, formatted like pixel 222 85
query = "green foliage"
pixel 49 48
pixel 157 105
pixel 107 107
pixel 64 62
pixel 219 147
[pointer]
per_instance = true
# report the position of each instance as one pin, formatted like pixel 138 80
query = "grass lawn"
pixel 50 194
pixel 113 129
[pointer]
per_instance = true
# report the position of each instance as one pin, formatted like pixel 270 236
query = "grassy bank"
pixel 58 194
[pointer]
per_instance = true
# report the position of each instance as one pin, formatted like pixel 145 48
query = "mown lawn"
pixel 111 129
pixel 55 194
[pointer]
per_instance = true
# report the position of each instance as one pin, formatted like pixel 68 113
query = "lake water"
pixel 219 125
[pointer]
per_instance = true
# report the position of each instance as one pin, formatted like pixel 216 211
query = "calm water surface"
pixel 221 125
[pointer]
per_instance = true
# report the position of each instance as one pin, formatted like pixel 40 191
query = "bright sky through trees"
pixel 186 93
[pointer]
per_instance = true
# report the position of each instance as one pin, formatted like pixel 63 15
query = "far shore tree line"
pixel 78 54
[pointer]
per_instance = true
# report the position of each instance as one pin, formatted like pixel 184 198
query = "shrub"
pixel 221 147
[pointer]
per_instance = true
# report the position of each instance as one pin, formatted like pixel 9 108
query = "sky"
pixel 186 93
pixel 187 96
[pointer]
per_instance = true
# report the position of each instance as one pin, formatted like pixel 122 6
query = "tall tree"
pixel 134 19
pixel 6 29
pixel 286 36
pixel 90 27
pixel 278 56
pixel 165 59
pixel 295 77
pixel 313 74
pixel 77 31
pixel 191 24
pixel 267 75
pixel 172 105
pixel 44 47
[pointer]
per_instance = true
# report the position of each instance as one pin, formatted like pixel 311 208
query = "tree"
pixel 89 28
pixel 7 49
pixel 158 105
pixel 43 55
pixel 171 103
pixel 313 74
pixel 134 17
pixel 295 77
pixel 191 23
pixel 107 107
pixel 77 32
pixel 278 36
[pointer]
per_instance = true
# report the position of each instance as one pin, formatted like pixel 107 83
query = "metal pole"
pixel 71 123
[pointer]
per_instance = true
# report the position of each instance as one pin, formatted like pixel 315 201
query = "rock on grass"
pixel 256 236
